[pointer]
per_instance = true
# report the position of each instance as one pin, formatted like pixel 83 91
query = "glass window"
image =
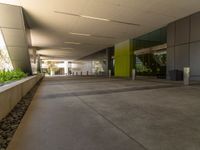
pixel 5 62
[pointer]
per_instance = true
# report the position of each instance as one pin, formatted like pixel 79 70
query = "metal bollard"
pixel 133 74
pixel 87 73
pixel 109 73
pixel 186 75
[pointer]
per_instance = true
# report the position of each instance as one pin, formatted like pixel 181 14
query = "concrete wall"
pixel 183 40
pixel 12 93
pixel 13 29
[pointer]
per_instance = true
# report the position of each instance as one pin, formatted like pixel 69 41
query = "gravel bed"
pixel 9 124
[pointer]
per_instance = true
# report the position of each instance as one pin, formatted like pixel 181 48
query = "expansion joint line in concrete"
pixel 112 123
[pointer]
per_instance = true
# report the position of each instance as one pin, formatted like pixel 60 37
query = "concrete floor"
pixel 110 114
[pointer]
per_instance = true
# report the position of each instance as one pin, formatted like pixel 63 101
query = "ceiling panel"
pixel 49 30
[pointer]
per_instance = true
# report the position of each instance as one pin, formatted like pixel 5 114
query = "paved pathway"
pixel 110 114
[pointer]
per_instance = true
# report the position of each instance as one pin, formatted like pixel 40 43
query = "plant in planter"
pixel 9 76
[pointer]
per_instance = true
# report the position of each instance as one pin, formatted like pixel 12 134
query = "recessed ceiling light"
pixel 103 36
pixel 97 18
pixel 66 48
pixel 92 35
pixel 80 34
pixel 75 43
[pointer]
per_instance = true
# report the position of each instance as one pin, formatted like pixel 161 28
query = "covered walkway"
pixel 110 114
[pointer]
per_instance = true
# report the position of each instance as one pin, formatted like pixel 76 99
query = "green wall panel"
pixel 124 59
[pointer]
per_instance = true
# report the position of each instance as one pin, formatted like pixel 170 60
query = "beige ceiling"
pixel 49 30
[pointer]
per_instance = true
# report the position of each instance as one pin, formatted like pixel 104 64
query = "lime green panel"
pixel 123 59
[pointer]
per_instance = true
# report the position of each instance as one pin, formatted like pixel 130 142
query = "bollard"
pixel 133 74
pixel 81 73
pixel 186 75
pixel 87 73
pixel 76 73
pixel 109 73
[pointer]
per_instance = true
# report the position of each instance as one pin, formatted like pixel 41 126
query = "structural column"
pixel 124 59
pixel 38 64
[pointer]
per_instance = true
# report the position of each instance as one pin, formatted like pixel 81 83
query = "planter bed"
pixel 9 124
pixel 12 93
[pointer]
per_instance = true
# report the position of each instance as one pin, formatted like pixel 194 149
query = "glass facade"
pixel 151 62
pixel 5 62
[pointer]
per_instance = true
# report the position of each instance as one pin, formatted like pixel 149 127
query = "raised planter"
pixel 11 94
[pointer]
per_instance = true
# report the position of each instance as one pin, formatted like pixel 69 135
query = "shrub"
pixel 7 76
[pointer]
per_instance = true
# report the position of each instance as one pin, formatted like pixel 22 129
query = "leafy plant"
pixel 7 76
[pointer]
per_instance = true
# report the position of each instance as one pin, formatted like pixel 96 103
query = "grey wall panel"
pixel 187 45
pixel 195 58
pixel 20 64
pixel 170 58
pixel 195 27
pixel 170 34
pixel 182 31
pixel 11 16
pixel 14 37
pixel 181 56
pixel 195 78
pixel 17 64
pixel 17 53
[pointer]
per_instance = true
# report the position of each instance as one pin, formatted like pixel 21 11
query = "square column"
pixel 124 59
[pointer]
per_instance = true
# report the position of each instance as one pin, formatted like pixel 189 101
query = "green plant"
pixel 6 76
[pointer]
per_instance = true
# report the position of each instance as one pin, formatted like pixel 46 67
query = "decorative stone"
pixel 9 124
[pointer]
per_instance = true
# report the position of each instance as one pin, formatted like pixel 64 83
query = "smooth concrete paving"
pixel 110 114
